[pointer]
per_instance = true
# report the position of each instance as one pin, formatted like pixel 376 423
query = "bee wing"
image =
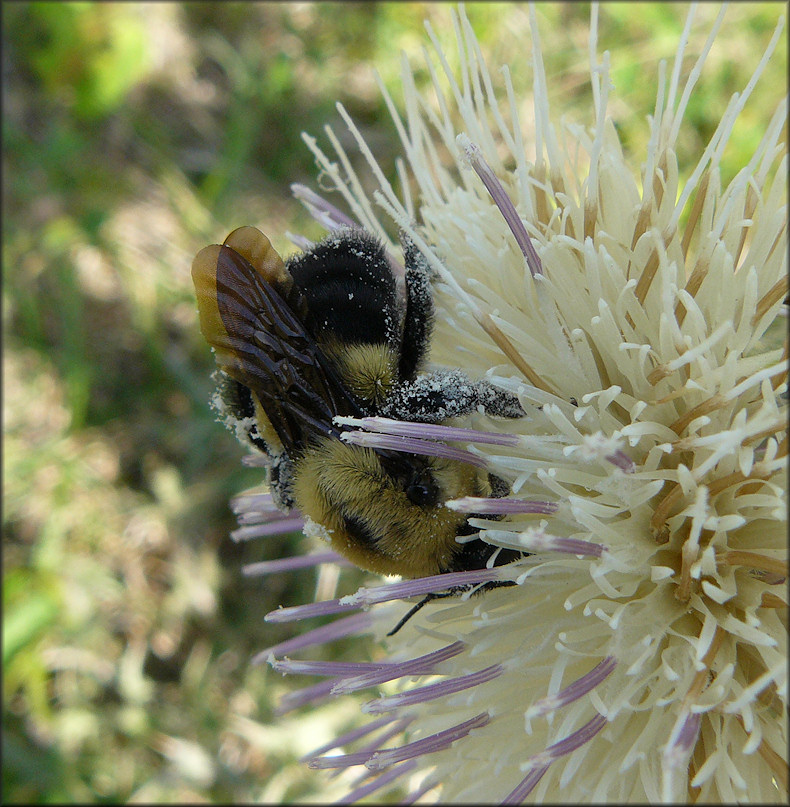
pixel 259 341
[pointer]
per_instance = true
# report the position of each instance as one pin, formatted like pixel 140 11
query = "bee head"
pixel 385 511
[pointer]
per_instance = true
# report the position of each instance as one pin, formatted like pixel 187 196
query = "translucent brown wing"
pixel 261 342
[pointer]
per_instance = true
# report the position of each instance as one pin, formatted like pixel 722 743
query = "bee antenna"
pixel 437 595
pixel 412 611
pixel 433 595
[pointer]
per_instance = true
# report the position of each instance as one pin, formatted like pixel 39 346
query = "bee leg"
pixel 436 397
pixel 280 474
pixel 498 402
pixel 413 610
pixel 419 313
pixel 453 592
pixel 499 489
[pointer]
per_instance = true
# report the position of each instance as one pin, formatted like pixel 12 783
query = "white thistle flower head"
pixel 641 655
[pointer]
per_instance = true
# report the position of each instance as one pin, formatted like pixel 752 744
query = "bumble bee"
pixel 324 334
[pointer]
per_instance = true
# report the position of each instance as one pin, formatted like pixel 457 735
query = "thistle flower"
pixel 641 654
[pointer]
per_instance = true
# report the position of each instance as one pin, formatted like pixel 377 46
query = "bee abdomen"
pixel 349 289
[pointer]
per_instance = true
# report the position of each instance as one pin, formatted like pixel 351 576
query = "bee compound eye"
pixel 422 490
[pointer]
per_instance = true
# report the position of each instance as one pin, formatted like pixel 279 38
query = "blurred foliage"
pixel 87 56
pixel 134 134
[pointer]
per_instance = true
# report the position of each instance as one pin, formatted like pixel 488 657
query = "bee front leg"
pixel 444 394
pixel 418 312
pixel 281 474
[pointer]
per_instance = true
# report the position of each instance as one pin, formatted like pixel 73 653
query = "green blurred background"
pixel 133 135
